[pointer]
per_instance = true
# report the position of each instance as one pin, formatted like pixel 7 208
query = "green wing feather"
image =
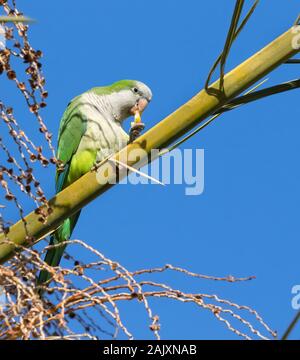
pixel 72 128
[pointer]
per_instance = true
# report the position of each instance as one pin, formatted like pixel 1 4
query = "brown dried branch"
pixel 57 314
pixel 17 175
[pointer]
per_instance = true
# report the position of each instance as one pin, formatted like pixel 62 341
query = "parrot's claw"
pixel 135 131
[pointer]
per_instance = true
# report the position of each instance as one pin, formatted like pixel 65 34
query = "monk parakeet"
pixel 90 130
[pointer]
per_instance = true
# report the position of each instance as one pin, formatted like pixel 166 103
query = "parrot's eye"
pixel 135 90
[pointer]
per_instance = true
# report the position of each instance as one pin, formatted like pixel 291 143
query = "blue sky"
pixel 247 220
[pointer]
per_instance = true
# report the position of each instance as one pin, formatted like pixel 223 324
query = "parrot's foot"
pixel 135 131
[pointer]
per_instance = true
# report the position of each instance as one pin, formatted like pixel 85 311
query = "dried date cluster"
pixel 21 64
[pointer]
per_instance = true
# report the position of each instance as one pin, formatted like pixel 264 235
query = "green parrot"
pixel 90 130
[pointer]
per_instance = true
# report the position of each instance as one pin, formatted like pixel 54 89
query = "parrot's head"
pixel 129 97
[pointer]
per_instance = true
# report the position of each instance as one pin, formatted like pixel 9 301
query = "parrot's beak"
pixel 138 108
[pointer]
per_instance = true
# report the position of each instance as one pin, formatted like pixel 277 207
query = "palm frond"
pixel 248 97
pixel 260 94
pixel 297 21
pixel 293 61
pixel 231 37
pixel 15 19
pixel 291 326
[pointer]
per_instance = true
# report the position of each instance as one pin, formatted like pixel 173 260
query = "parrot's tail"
pixel 54 255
